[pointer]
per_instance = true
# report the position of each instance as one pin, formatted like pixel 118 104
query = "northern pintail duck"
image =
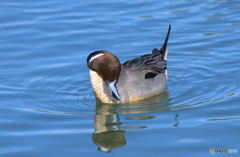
pixel 134 80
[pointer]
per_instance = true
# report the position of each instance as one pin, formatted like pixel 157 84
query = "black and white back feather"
pixel 152 64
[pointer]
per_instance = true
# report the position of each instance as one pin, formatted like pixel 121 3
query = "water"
pixel 47 106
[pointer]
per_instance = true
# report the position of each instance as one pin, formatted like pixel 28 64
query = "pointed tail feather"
pixel 164 47
pixel 163 50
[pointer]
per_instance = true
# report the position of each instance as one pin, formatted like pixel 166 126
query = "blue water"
pixel 47 106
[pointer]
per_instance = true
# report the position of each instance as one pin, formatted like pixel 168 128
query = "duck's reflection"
pixel 108 133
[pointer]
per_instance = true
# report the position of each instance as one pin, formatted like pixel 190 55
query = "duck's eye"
pixel 113 71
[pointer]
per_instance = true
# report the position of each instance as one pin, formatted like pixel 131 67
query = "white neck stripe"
pixel 94 57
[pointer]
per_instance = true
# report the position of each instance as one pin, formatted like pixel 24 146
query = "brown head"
pixel 108 67
pixel 106 64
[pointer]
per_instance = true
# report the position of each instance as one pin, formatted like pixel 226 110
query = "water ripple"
pixel 46 97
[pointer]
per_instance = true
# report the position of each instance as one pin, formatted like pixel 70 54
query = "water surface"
pixel 47 106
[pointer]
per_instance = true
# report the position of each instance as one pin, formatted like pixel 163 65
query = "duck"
pixel 134 80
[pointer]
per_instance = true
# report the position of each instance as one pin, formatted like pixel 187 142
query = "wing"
pixel 149 65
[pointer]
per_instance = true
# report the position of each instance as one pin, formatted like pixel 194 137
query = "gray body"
pixel 133 85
